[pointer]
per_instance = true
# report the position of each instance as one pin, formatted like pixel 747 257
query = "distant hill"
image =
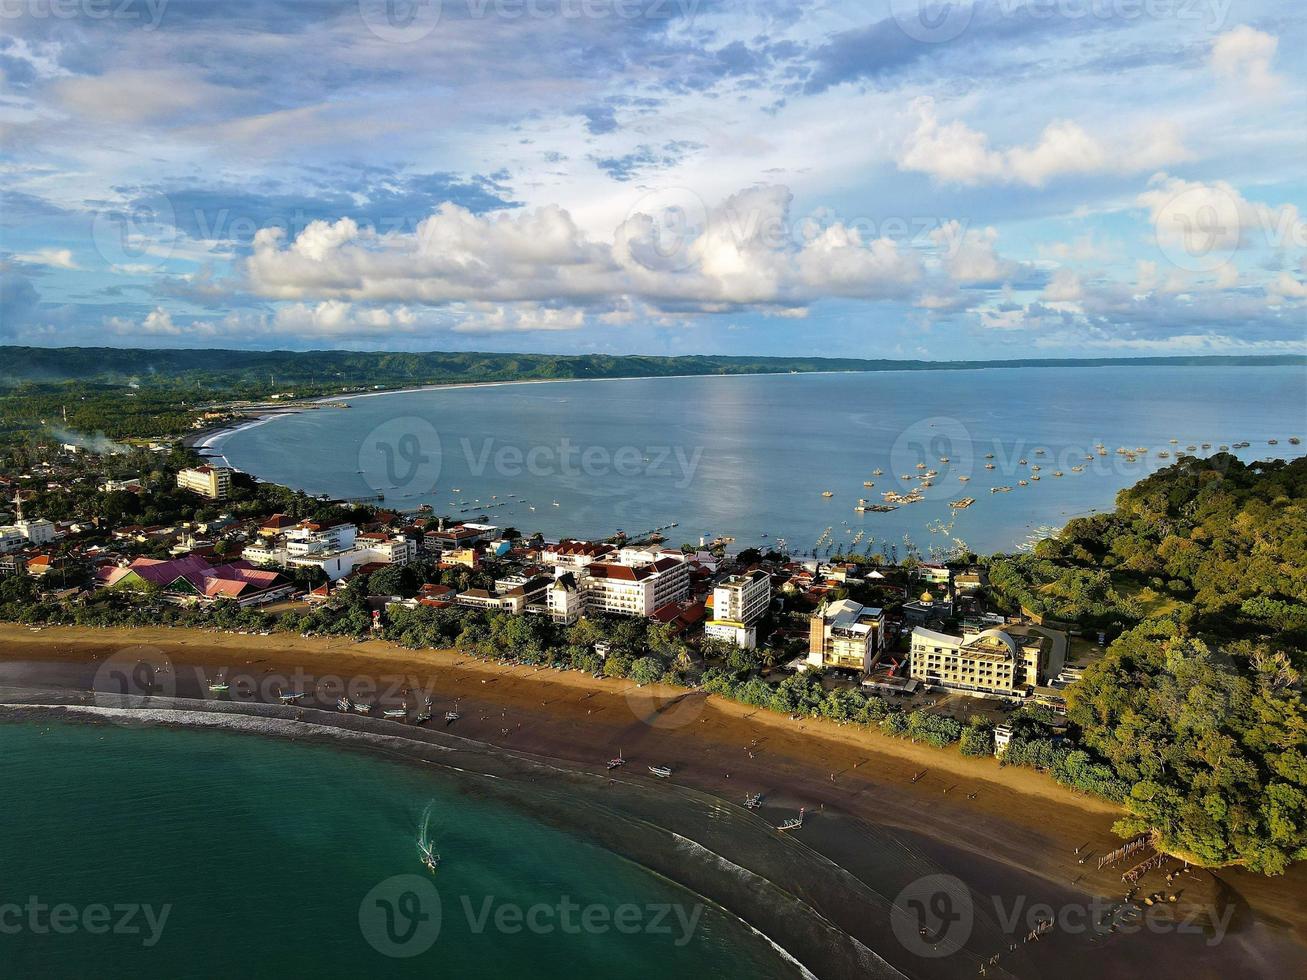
pixel 258 372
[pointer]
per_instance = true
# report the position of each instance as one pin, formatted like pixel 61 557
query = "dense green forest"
pixel 1197 705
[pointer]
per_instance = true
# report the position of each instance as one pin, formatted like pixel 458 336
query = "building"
pixel 927 609
pixel 1008 661
pixel 191 580
pixel 564 599
pixel 627 590
pixel 739 601
pixel 846 634
pixel 336 547
pixel 573 556
pixel 933 573
pixel 213 482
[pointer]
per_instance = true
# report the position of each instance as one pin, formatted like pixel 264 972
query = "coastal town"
pixel 180 537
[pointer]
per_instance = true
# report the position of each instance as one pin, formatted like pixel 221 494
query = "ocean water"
pixel 216 854
pixel 750 457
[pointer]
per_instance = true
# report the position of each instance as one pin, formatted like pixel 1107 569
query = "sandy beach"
pixel 1006 832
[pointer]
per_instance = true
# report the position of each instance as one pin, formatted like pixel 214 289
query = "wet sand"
pixel 1010 834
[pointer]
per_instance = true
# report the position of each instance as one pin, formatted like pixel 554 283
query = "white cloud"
pixel 969 256
pixel 955 153
pixel 1200 225
pixel 59 258
pixel 1063 287
pixel 1244 55
pixel 741 253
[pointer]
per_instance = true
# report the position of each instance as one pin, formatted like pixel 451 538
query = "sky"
pixel 877 178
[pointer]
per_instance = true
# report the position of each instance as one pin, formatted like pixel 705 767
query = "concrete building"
pixel 213 482
pixel 565 600
pixel 573 556
pixel 846 634
pixel 1006 661
pixel 625 590
pixel 739 601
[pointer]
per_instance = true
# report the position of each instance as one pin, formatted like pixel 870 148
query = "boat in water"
pixel 828 493
pixel 1000 489
pixel 426 846
pixel 962 504
pixel 662 772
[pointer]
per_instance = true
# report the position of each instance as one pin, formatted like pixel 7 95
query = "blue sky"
pixel 881 178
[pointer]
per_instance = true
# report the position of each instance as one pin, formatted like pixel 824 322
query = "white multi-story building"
pixel 213 482
pixel 625 590
pixel 845 634
pixel 993 661
pixel 573 556
pixel 738 603
pixel 565 599
pixel 335 548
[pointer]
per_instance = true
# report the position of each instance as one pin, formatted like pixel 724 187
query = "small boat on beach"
pixel 218 686
pixel 794 823
pixel 360 708
pixel 662 772
pixel 344 704
pixel 753 801
pixel 617 761
pixel 395 714
pixel 451 717
pixel 290 697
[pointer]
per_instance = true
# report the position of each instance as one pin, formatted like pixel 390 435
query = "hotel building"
pixel 1006 661
pixel 846 634
pixel 213 482
pixel 738 603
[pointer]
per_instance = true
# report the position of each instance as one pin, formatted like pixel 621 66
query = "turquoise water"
pixel 750 456
pixel 263 852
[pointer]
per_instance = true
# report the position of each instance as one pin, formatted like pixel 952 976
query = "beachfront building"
pixel 191 580
pixel 739 601
pixel 213 482
pixel 573 556
pixel 1006 661
pixel 564 599
pixel 846 634
pixel 634 590
pixel 336 547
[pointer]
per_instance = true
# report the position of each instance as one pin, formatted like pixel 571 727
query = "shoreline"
pixel 1016 836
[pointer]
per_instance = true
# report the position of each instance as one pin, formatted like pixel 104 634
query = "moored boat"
pixel 662 772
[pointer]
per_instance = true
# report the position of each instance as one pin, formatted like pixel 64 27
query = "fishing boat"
pixel 1000 489
pixel 921 466
pixel 861 508
pixel 290 697
pixel 794 823
pixel 1077 469
pixel 964 479
pixel 662 772
pixel 943 459
pixel 451 717
pixel 1191 449
pixel 1035 477
pixel 868 484
pixel 1224 449
pixel 1208 445
pixel 828 493
pixel 877 471
pixel 962 504
pixel 1057 472
pixel 753 801
pixel 1023 462
pixel 362 709
pixel 1272 442
pixel 422 717
pixel 1294 441
pixel 989 455
pixel 430 859
pixel 1036 468
pixel 344 704
pixel 395 714
pixel 1039 452
pixel 218 686
pixel 1163 454
pixel 1023 483
pixel 617 761
pixel 989 466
